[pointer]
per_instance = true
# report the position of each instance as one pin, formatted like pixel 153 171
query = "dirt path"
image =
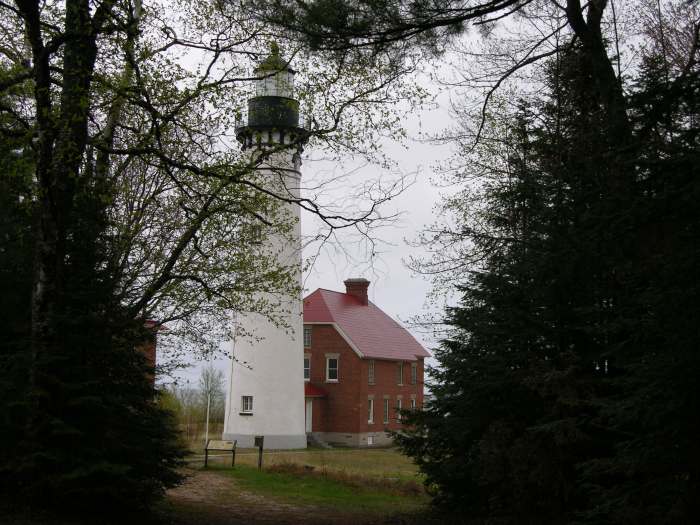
pixel 208 498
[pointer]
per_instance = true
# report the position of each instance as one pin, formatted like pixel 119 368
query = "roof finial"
pixel 273 62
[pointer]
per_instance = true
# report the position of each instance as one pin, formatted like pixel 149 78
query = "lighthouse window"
pixel 284 84
pixel 247 404
pixel 332 368
pixel 271 84
pixel 256 233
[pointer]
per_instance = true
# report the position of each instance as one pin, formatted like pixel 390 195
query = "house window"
pixel 247 404
pixel 307 367
pixel 399 372
pixel 307 337
pixel 370 410
pixel 370 440
pixel 414 373
pixel 386 410
pixel 413 403
pixel 370 372
pixel 256 233
pixel 399 402
pixel 332 368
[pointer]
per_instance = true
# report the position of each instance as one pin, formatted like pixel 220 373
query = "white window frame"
pixel 386 410
pixel 414 373
pixel 307 359
pixel 400 373
pixel 370 372
pixel 307 336
pixel 246 404
pixel 399 404
pixel 370 410
pixel 413 403
pixel 337 368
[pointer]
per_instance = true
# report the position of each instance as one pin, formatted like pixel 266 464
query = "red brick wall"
pixel 148 350
pixel 339 411
pixel 386 384
pixel 346 406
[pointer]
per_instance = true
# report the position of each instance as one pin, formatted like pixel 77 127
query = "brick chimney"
pixel 357 288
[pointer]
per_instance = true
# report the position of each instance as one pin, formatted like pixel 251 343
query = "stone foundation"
pixel 271 441
pixel 356 440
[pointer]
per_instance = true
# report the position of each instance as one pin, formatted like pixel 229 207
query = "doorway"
pixel 309 414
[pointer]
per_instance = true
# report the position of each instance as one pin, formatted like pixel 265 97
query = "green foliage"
pixel 566 391
pixel 124 197
pixel 16 244
pixel 81 426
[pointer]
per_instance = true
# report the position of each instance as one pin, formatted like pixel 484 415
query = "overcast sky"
pixel 394 288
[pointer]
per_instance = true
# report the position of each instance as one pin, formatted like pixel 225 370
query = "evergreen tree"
pixel 81 427
pixel 565 392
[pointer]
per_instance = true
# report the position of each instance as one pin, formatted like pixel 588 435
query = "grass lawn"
pixel 345 494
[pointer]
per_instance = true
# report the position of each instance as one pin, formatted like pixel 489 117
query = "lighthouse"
pixel 266 390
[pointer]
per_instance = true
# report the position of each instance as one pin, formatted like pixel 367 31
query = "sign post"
pixel 259 443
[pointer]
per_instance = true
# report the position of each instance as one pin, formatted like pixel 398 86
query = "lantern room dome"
pixel 274 61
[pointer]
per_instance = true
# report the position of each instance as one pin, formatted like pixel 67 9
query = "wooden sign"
pixel 222 446
pixel 215 444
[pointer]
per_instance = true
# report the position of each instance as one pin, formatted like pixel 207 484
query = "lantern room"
pixel 273 112
pixel 274 77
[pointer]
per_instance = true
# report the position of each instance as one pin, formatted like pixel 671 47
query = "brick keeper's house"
pixel 360 366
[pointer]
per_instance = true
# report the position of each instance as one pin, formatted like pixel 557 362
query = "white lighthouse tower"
pixel 266 392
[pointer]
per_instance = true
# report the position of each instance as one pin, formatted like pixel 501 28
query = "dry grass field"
pixel 378 463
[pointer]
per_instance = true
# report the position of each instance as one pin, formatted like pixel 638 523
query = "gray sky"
pixel 394 288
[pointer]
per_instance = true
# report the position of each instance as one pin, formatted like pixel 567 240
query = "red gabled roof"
pixel 373 333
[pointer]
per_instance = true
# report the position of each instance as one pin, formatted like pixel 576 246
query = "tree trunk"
pixel 61 145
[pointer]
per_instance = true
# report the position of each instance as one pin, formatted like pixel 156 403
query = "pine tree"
pixel 80 426
pixel 565 391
